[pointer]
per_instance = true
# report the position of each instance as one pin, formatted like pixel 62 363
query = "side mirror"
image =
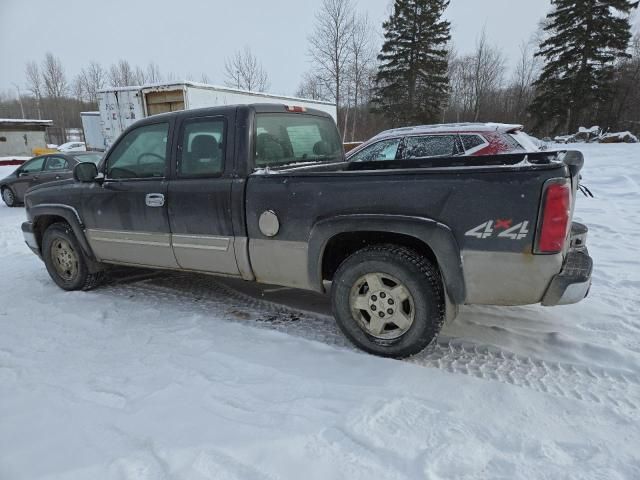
pixel 85 172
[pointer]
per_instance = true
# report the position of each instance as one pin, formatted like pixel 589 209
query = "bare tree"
pixel 362 58
pixel 330 42
pixel 53 76
pixel 140 76
pixel 56 88
pixel 311 87
pixel 121 74
pixel 153 74
pixel 244 71
pixel 34 84
pixel 77 89
pixel 92 79
pixel 525 74
pixel 488 71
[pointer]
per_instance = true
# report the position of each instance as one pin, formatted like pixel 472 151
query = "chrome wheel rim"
pixel 7 195
pixel 64 258
pixel 382 306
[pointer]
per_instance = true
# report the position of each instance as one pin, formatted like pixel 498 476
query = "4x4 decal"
pixel 492 229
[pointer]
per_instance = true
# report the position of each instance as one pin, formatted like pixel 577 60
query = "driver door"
pixel 126 217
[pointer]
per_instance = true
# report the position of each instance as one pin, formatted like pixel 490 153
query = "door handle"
pixel 154 200
pixel 57 177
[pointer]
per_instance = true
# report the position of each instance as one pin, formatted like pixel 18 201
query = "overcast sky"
pixel 193 37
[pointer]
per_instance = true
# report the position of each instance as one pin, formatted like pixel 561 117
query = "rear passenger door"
pixel 56 167
pixel 200 208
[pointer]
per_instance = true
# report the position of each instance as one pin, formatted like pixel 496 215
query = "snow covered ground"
pixel 158 376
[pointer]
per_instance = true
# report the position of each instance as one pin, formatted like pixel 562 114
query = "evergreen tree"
pixel 412 82
pixel 585 38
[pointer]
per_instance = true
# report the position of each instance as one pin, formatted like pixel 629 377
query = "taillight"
pixel 554 223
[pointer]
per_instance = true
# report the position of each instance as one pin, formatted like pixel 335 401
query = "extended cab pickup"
pixel 263 193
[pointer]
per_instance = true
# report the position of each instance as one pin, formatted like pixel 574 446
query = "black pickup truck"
pixel 263 193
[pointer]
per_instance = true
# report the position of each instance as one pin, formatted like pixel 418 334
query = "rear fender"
pixel 435 235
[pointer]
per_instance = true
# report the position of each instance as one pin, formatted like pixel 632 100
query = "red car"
pixel 447 140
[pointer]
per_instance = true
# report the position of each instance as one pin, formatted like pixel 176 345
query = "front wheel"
pixel 65 260
pixel 389 300
pixel 9 197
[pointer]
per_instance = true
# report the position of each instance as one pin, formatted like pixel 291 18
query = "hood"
pixel 11 176
pixel 55 184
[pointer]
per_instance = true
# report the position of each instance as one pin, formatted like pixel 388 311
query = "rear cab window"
pixel 283 139
pixel 201 150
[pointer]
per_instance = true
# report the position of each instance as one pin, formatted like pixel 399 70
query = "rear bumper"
pixel 30 237
pixel 572 284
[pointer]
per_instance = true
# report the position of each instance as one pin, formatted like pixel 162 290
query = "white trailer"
pixel 92 127
pixel 121 107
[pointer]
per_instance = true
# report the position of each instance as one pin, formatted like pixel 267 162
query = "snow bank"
pixel 176 376
pixel 597 135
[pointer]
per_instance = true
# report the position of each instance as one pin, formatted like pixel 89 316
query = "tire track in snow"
pixel 204 294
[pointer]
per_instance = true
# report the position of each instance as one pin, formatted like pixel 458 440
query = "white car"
pixel 72 147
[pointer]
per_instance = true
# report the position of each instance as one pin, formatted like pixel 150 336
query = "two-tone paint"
pixel 324 213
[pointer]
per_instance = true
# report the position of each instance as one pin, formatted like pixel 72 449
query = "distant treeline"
pixel 581 68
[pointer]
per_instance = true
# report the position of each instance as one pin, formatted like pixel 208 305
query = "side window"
pixel 54 164
pixel 34 165
pixel 202 148
pixel 430 146
pixel 384 150
pixel 142 153
pixel 472 142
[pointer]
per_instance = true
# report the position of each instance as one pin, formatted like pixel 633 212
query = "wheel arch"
pixel 46 215
pixel 4 187
pixel 334 239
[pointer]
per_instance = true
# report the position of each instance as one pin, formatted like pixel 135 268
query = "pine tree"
pixel 585 38
pixel 412 82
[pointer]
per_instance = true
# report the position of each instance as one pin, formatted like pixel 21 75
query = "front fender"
pixel 70 215
pixel 437 236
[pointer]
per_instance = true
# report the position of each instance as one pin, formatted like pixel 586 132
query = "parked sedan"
pixel 447 140
pixel 42 169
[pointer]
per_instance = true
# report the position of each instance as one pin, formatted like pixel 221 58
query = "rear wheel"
pixel 389 300
pixel 65 261
pixel 9 197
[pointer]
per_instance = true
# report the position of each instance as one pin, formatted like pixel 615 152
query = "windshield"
pixel 89 157
pixel 285 139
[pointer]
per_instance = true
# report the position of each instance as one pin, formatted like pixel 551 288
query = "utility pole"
pixel 19 99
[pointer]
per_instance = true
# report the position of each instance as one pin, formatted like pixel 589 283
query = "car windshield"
pixel 285 139
pixel 89 157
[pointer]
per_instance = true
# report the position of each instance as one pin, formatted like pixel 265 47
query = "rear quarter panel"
pixel 492 214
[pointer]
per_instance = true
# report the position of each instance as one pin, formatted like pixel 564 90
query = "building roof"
pixel 25 122
pixel 158 87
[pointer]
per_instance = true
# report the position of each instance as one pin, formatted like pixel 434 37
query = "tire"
pixel 408 298
pixel 9 197
pixel 65 260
